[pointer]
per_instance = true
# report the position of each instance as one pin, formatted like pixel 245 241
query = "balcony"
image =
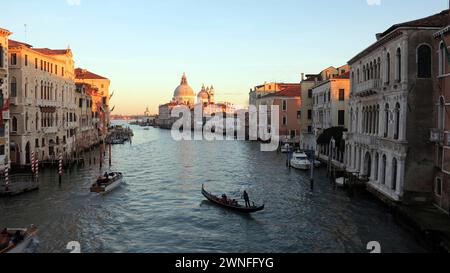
pixel 50 130
pixel 47 103
pixel 3 72
pixel 367 88
pixel 437 136
pixel 6 115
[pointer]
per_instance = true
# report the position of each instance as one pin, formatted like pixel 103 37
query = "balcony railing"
pixel 47 103
pixel 3 72
pixel 436 135
pixel 50 130
pixel 367 86
pixel 6 115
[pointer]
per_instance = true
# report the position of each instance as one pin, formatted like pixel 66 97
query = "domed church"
pixel 206 95
pixel 184 94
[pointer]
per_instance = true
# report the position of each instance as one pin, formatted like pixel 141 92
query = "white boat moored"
pixel 300 161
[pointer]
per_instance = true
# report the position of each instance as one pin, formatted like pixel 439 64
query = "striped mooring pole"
pixel 36 167
pixel 60 170
pixel 6 177
pixel 32 162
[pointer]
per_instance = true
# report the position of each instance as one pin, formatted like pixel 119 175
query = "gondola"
pixel 28 236
pixel 216 200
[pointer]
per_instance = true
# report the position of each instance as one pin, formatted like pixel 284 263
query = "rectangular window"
pixel 293 133
pixel 56 69
pixel 341 117
pixel 341 94
pixel 2 130
pixel 2 149
pixel 42 65
pixel 309 129
pixel 299 114
pixel 310 93
pixel 13 59
pixel 36 143
pixel 1 55
pixel 35 63
pixel 51 68
pixel 284 105
pixel 438 187
pixel 62 71
pixel 284 121
pixel 26 60
pixel 310 114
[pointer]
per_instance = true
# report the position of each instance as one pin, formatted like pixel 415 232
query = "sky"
pixel 144 46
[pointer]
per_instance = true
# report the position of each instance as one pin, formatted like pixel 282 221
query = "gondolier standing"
pixel 247 199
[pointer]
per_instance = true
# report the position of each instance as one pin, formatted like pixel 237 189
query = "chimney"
pixel 303 76
pixel 378 36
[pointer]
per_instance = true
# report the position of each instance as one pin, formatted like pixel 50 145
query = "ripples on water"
pixel 160 207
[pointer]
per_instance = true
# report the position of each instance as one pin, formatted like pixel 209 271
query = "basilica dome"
pixel 184 94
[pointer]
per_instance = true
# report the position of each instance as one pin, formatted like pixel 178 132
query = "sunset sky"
pixel 144 46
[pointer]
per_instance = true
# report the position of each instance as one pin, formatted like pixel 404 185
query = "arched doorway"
pixel 28 153
pixel 367 165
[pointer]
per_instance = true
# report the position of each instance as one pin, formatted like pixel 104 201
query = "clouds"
pixel 373 2
pixel 73 2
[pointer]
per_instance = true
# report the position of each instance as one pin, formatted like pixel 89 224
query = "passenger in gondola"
pixel 224 199
pixel 17 237
pixel 247 199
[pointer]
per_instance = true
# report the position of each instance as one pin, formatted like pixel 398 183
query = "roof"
pixel 291 91
pixel 5 32
pixel 45 51
pixel 13 43
pixel 84 74
pixel 48 51
pixel 435 21
pixel 345 75
pixel 438 20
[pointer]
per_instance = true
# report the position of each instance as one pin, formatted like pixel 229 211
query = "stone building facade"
pixel 390 111
pixel 440 134
pixel 43 104
pixel 4 99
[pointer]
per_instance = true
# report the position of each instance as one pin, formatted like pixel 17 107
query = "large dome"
pixel 183 90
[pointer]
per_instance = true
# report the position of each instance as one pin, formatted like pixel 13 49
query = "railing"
pixel 48 103
pixel 370 85
pixel 6 115
pixel 50 130
pixel 3 72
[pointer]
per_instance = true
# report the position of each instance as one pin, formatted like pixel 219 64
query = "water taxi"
pixel 105 184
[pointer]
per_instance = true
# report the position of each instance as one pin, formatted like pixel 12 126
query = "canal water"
pixel 160 207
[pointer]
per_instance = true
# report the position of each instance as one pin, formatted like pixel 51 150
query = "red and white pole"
pixel 32 162
pixel 36 166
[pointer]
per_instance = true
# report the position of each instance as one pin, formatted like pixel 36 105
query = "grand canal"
pixel 160 207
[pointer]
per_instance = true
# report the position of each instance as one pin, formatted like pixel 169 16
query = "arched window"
pixel 397 121
pixel 383 170
pixel 424 61
pixel 386 120
pixel 42 90
pixel 14 124
pixel 442 58
pixel 26 87
pixel 399 64
pixel 37 121
pixel 377 131
pixel 394 174
pixel 377 162
pixel 357 76
pixel 13 87
pixel 36 90
pixel 364 73
pixel 388 68
pixel 441 113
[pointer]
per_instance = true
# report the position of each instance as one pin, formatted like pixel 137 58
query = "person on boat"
pixel 224 199
pixel 17 237
pixel 247 199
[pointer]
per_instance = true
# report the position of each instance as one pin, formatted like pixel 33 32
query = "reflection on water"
pixel 160 208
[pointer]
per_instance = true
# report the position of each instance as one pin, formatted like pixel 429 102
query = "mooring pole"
pixel 110 154
pixel 101 156
pixel 60 169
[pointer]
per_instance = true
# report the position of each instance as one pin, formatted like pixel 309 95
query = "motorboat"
pixel 105 184
pixel 300 161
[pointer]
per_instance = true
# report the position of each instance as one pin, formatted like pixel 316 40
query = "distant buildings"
pixel 390 111
pixel 440 135
pixel 184 95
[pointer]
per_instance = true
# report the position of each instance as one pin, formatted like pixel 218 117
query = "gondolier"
pixel 246 199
